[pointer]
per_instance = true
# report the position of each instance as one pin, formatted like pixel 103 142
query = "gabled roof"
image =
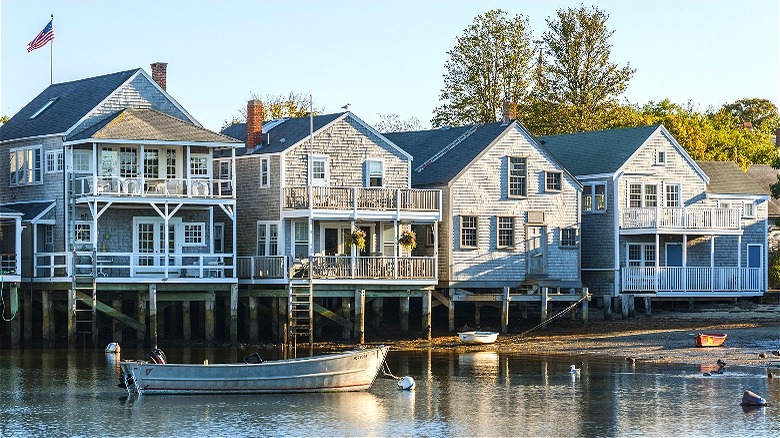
pixel 71 102
pixel 597 152
pixel 278 135
pixel 31 211
pixel 765 176
pixel 460 146
pixel 150 125
pixel 726 178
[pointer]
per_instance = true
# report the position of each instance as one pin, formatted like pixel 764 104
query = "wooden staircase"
pixel 300 305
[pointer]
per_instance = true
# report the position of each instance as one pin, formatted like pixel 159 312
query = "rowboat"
pixel 709 339
pixel 477 337
pixel 353 370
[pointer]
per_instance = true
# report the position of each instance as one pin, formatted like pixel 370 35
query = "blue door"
pixel 674 254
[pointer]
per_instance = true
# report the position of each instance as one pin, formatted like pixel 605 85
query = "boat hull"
pixel 477 337
pixel 709 339
pixel 339 372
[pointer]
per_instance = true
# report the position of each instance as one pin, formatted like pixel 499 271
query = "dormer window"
pixel 44 107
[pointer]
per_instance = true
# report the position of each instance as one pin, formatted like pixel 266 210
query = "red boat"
pixel 710 339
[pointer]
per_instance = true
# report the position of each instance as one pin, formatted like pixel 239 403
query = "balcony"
pixel 337 268
pixel 354 199
pixel 682 219
pixel 199 188
pixel 8 264
pixel 685 281
pixel 108 267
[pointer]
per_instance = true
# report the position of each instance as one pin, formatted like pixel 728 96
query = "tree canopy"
pixel 393 123
pixel 489 64
pixel 277 106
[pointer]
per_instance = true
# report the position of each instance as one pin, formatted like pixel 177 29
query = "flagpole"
pixel 51 55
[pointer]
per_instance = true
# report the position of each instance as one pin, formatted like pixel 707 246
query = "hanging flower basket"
pixel 358 238
pixel 408 240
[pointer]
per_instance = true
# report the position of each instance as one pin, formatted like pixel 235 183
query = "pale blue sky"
pixel 381 56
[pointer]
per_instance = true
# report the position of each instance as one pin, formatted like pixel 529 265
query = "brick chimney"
pixel 509 112
pixel 254 123
pixel 159 73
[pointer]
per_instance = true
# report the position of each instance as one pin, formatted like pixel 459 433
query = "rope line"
pixel 386 371
pixel 584 297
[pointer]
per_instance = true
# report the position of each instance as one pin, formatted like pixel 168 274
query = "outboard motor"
pixel 157 356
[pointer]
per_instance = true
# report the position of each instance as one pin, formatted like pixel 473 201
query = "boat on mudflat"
pixel 709 339
pixel 353 370
pixel 477 337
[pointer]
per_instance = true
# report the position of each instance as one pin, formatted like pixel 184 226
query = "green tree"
pixel 393 123
pixel 4 120
pixel 577 85
pixel 490 63
pixel 761 113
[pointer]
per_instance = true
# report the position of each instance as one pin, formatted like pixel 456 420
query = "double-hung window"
pixel 749 209
pixel 568 237
pixel 374 173
pixel 517 177
pixel 301 236
pixel 268 238
pixel 672 195
pixel 641 255
pixel 265 180
pixel 642 195
pixel 506 232
pixel 552 181
pixel 26 166
pixel 54 161
pixel 319 171
pixel 468 231
pixel 594 197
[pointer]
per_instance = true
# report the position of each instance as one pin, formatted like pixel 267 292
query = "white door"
pixel 150 242
pixel 537 250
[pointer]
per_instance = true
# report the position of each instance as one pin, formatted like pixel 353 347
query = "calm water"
pixel 62 393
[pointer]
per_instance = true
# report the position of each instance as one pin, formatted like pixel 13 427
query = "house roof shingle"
pixel 726 178
pixel 765 175
pixel 73 100
pixel 149 124
pixel 280 134
pixel 597 152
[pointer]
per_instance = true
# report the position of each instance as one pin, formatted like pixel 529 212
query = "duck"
pixel 574 371
pixel 706 374
pixel 721 363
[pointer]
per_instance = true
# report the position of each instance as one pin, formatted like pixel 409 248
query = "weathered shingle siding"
pixel 253 202
pixel 138 93
pixel 482 191
pixel 598 236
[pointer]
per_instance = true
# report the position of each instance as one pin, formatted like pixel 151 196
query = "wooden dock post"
pixel 275 333
pixel 505 311
pixel 346 312
pixel 624 305
pixel 234 315
pixel 46 318
pixel 378 312
pixel 403 309
pixel 71 318
pixel 477 314
pixel 254 323
pixel 451 310
pixel 360 319
pixel 27 314
pixel 648 306
pixel 524 310
pixel 116 326
pixel 585 307
pixel 16 325
pixel 544 306
pixel 153 314
pixel 186 321
pixel 140 308
pixel 426 314
pixel 208 318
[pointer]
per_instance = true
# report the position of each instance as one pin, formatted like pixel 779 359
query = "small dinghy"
pixel 709 339
pixel 477 337
pixel 750 398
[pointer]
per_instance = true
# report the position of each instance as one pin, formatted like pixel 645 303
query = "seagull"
pixel 574 371
pixel 346 107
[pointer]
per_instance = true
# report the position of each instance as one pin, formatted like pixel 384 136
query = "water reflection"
pixel 474 393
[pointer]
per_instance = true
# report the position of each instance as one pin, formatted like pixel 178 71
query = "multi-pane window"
pixel 506 232
pixel 594 197
pixel 318 171
pixel 749 210
pixel 151 163
pixel 430 235
pixel 374 173
pixel 642 195
pixel 194 234
pixel 199 165
pixel 651 195
pixel 552 181
pixel 672 195
pixel 641 254
pixel 48 238
pixel 82 161
pixel 170 163
pixel 128 163
pixel 568 237
pixel 268 239
pixel 218 237
pixel 264 173
pixel 468 231
pixel 54 161
pixel 517 177
pixel 26 166
pixel 660 157
pixel 301 236
pixel 83 232
pixel 634 195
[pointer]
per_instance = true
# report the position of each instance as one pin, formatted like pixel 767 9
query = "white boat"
pixel 477 337
pixel 353 370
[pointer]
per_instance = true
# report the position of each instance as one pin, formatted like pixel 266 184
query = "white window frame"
pixel 430 238
pixel 643 261
pixel 18 159
pixel 200 165
pixel 749 209
pixel 501 231
pixel 661 158
pixel 677 191
pixel 321 181
pixel 218 238
pixel 54 161
pixel 517 184
pixel 265 172
pixel 643 194
pixel 569 241
pixel 83 227
pixel 81 158
pixel 367 172
pixel 592 198
pixel 300 242
pixel 463 230
pixel 559 182
pixel 196 239
pixel 270 244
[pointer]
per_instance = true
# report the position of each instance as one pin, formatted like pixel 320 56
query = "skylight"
pixel 43 108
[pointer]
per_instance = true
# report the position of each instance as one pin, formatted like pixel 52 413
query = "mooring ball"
pixel 407 383
pixel 113 347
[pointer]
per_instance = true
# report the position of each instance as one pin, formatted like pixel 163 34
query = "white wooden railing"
pixel 692 279
pixel 361 198
pixel 337 267
pixel 153 187
pixel 692 218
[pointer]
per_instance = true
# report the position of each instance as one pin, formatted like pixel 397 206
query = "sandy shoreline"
pixel 666 337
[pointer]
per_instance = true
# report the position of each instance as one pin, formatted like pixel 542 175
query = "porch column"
pixel 712 262
pixel 739 262
pixel 684 262
pixel 153 314
pixel 657 263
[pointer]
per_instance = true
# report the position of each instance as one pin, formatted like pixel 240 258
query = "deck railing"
pixel 691 279
pixel 153 187
pixel 8 263
pixel 337 267
pixel 361 198
pixel 692 218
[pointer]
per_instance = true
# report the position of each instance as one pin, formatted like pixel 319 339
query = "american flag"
pixel 46 35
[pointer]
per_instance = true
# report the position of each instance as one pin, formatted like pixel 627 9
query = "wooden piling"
pixel 71 318
pixel 153 315
pixel 451 310
pixel 27 315
pixel 544 306
pixel 346 313
pixel 624 305
pixel 186 321
pixel 140 307
pixel 426 314
pixel 585 302
pixel 116 326
pixel 648 306
pixel 209 320
pixel 377 312
pixel 275 332
pixel 360 320
pixel 477 314
pixel 16 324
pixel 253 320
pixel 46 318
pixel 524 310
pixel 403 310
pixel 505 311
pixel 234 315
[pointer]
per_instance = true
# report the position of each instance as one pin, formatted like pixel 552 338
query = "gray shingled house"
pixel 511 220
pixel 305 187
pixel 117 193
pixel 657 224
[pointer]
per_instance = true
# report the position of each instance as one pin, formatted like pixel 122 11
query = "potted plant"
pixel 408 240
pixel 358 238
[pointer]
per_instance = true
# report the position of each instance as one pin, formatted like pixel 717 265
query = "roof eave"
pixel 154 142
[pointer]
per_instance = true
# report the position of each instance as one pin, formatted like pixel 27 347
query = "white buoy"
pixel 574 371
pixel 113 348
pixel 407 383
